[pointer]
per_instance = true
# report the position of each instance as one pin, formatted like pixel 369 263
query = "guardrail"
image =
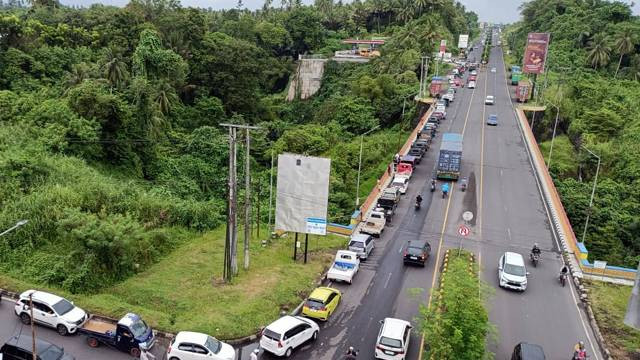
pixel 559 217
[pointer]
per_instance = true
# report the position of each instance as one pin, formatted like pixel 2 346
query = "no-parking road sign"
pixel 463 230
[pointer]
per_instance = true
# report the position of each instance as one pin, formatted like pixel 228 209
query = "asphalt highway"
pixel 509 215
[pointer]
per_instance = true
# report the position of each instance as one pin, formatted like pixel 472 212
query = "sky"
pixel 496 11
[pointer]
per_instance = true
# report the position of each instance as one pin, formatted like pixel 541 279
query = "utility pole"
pixel 247 201
pixel 270 194
pixel 231 244
pixel 33 329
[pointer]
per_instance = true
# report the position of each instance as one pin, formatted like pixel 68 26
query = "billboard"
pixel 535 53
pixel 302 194
pixel 463 41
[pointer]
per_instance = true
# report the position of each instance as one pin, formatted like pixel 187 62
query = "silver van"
pixel 362 245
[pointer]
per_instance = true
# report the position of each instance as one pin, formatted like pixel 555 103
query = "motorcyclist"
pixel 445 189
pixel 433 184
pixel 419 199
pixel 351 353
pixel 564 270
pixel 464 184
pixel 579 351
pixel 536 250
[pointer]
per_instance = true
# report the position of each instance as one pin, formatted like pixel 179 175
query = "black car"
pixel 20 348
pixel 526 351
pixel 416 252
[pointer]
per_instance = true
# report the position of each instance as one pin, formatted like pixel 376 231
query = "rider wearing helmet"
pixel 419 198
pixel 352 352
pixel 536 250
pixel 445 188
pixel 564 270
pixel 580 353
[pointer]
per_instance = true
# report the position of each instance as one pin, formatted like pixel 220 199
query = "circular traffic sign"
pixel 463 230
pixel 467 215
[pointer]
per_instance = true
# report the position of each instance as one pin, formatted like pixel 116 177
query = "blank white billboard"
pixel 463 41
pixel 302 194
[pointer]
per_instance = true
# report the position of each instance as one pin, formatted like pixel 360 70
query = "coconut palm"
pixel 405 9
pixel 624 44
pixel 599 51
pixel 115 70
pixel 165 97
pixel 79 73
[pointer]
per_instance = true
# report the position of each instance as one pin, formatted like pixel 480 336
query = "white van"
pixel 362 244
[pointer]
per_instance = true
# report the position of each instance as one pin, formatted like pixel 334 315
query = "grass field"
pixel 609 303
pixel 184 291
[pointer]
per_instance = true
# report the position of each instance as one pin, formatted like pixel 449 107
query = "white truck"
pixel 345 266
pixel 375 223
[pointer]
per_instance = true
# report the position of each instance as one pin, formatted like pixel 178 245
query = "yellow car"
pixel 322 302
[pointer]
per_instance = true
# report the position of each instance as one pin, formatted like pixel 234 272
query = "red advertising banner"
pixel 535 54
pixel 443 46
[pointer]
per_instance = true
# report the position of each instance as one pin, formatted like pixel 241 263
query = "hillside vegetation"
pixel 110 143
pixel 594 78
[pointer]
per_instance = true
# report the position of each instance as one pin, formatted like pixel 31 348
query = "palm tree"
pixel 624 44
pixel 405 10
pixel 599 51
pixel 79 73
pixel 165 97
pixel 114 68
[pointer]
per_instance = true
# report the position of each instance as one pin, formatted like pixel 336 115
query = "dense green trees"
pixel 109 118
pixel 593 62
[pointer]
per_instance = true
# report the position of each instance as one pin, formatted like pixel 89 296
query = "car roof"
pixel 531 351
pixel 493 116
pixel 284 323
pixel 322 293
pixel 489 96
pixel 24 342
pixel 359 237
pixel 513 258
pixel 416 243
pixel 41 296
pixel 394 327
pixel 191 337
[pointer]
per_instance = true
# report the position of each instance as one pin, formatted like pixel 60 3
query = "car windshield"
pixel 357 244
pixel 398 182
pixel 51 353
pixel 213 345
pixel 414 250
pixel 395 343
pixel 314 304
pixel 271 335
pixel 139 328
pixel 62 307
pixel 516 270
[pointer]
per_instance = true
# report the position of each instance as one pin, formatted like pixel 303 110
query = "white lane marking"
pixel 387 282
pixel 509 233
pixel 400 250
pixel 539 186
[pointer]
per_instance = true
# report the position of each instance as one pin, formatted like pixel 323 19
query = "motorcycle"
pixel 433 186
pixel 562 278
pixel 351 356
pixel 580 355
pixel 417 205
pixel 464 184
pixel 535 257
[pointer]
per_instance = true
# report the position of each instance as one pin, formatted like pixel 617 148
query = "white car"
pixel 345 266
pixel 393 339
pixel 401 183
pixel 493 69
pixel 471 85
pixel 448 96
pixel 196 346
pixel 50 310
pixel 282 336
pixel 489 100
pixel 474 72
pixel 512 274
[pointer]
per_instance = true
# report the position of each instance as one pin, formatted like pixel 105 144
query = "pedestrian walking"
pixel 396 158
pixel 254 354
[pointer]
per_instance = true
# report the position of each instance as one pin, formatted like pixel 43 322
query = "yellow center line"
pixel 435 270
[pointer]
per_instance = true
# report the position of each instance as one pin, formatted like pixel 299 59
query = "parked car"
pixel 282 336
pixel 362 245
pixel 489 100
pixel 400 182
pixel 130 335
pixel 526 351
pixel 422 144
pixel 417 152
pixel 321 303
pixel 189 345
pixel 449 97
pixel 416 252
pixel 345 266
pixel 393 339
pixel 474 72
pixel 441 113
pixel 21 348
pixel 50 310
pixel 471 85
pixel 375 223
pixel 492 120
pixel 512 273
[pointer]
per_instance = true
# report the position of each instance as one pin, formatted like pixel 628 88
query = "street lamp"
pixel 553 137
pixel 360 164
pixel 17 225
pixel 593 191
